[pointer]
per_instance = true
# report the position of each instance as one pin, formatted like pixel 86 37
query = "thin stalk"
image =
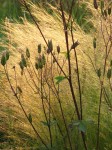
pixel 99 114
pixel 69 62
pixel 33 69
pixel 78 77
pixel 28 82
pixel 69 68
pixel 50 119
pixel 50 110
pixel 32 79
pixel 48 125
pixel 15 77
pixel 63 116
pixel 107 51
pixel 107 98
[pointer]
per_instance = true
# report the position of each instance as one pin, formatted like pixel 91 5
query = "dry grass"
pixel 26 35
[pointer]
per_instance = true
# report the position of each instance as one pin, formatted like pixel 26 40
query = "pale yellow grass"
pixel 26 35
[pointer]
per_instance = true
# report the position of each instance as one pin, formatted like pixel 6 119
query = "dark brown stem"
pixel 50 119
pixel 77 67
pixel 69 68
pixel 69 63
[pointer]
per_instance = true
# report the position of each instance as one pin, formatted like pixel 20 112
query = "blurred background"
pixel 10 9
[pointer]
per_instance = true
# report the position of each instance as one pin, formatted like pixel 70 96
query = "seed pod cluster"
pixel 109 11
pixel 40 62
pixel 27 53
pixel 50 47
pixel 95 4
pixel 5 58
pixel 109 74
pixel 39 48
pixel 58 49
pixel 99 72
pixel 94 43
pixel 30 118
pixel 75 45
pixel 23 62
pixel 105 13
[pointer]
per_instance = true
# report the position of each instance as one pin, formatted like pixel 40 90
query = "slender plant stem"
pixel 107 52
pixel 78 77
pixel 48 125
pixel 69 68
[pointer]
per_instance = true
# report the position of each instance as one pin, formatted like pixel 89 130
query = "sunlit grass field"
pixel 15 130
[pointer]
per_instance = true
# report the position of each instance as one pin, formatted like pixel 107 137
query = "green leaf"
pixel 82 126
pixel 59 79
pixel 30 118
pixel 44 123
pixel 27 53
pixel 109 74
